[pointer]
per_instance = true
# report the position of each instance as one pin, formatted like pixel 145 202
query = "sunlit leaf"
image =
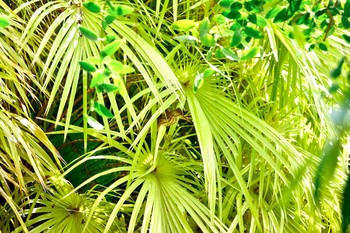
pixel 203 27
pixel 106 87
pixel 229 54
pixel 198 82
pixel 92 6
pixel 183 25
pixel 97 79
pixel 87 66
pixel 94 123
pixel 4 22
pixel 208 40
pixel 120 10
pixel 110 48
pixel 88 33
pixel 120 68
pixel 281 16
pixel 102 110
pixel 110 38
pixel 273 12
pixel 208 72
pixel 260 21
pixel 250 54
pixel 185 38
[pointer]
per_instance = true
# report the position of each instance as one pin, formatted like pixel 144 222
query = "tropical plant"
pixel 173 116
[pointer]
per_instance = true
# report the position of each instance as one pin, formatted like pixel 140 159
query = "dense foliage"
pixel 174 116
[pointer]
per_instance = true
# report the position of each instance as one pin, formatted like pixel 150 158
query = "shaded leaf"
pixel 273 12
pixel 225 3
pixel 345 209
pixel 87 66
pixel 252 18
pixel 92 6
pixel 323 47
pixel 346 38
pixel 337 71
pixel 281 16
pixel 231 14
pixel 110 38
pixel 327 166
pixel 88 33
pixel 253 32
pixel 345 21
pixel 236 6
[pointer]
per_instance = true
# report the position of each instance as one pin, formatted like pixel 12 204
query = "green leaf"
pixel 120 10
pixel 220 19
pixel 97 79
pixel 94 123
pixel 229 54
pixel 236 6
pixel 92 6
pixel 252 18
pixel 110 38
pixel 346 12
pixel 208 40
pixel 88 33
pixel 208 72
pixel 231 14
pixel 346 38
pixel 87 66
pixel 345 209
pixel 253 32
pixel 335 73
pixel 225 3
pixel 345 22
pixel 281 16
pixel 250 54
pixel 4 22
pixel 120 68
pixel 102 110
pixel 273 12
pixel 107 20
pixel 327 166
pixel 183 25
pixel 295 5
pixel 323 47
pixel 203 27
pixel 106 87
pixel 260 21
pixel 236 39
pixel 186 38
pixel 110 48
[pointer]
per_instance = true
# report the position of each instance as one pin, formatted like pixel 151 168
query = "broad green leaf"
pixel 260 21
pixel 346 38
pixel 273 12
pixel 236 6
pixel 87 66
pixel 229 54
pixel 327 166
pixel 186 38
pixel 110 48
pixel 323 47
pixel 4 22
pixel 88 33
pixel 294 6
pixel 119 67
pixel 346 12
pixel 102 110
pixel 253 32
pixel 250 54
pixel 94 60
pixel 208 40
pixel 183 25
pixel 110 38
pixel 231 14
pixel 335 73
pixel 345 21
pixel 109 19
pixel 252 18
pixel 203 27
pixel 281 16
pixel 208 72
pixel 345 209
pixel 225 3
pixel 120 10
pixel 106 87
pixel 220 19
pixel 94 123
pixel 92 6
pixel 236 39
pixel 97 79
